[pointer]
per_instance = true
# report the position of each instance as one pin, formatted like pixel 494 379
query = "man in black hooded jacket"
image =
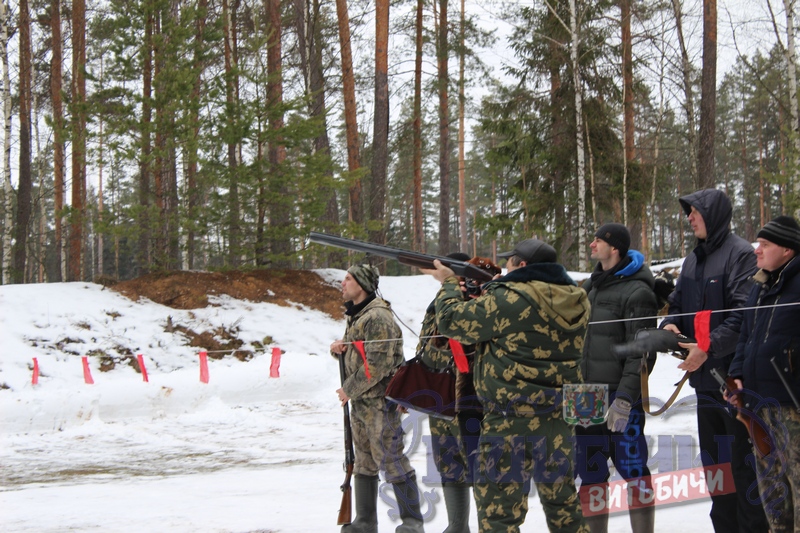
pixel 715 276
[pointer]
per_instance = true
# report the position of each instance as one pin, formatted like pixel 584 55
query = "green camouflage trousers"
pixel 779 472
pixel 515 451
pixel 378 439
pixel 448 450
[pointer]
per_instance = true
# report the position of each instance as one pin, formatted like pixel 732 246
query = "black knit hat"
pixel 783 231
pixel 533 251
pixel 366 276
pixel 616 235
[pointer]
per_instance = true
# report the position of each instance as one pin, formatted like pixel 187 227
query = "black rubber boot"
pixel 408 500
pixel 456 501
pixel 366 492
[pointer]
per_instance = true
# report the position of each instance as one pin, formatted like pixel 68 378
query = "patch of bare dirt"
pixel 190 290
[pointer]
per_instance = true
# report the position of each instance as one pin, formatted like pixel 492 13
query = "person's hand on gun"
pixel 338 347
pixel 696 356
pixel 342 396
pixel 439 272
pixel 733 397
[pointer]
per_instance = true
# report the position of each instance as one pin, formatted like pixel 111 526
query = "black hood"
pixel 547 272
pixel 716 210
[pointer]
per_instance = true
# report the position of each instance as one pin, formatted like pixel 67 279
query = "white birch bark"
pixel 5 274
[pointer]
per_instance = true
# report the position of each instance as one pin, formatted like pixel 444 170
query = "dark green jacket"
pixel 528 329
pixel 624 294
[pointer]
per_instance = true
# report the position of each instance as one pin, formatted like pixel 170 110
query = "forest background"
pixel 155 135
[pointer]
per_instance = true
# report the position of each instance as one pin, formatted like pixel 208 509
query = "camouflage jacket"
pixel 373 322
pixel 529 328
pixel 433 349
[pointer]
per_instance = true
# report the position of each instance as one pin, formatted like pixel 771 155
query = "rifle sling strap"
pixel 646 390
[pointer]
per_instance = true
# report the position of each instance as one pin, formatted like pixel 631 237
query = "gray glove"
pixel 618 415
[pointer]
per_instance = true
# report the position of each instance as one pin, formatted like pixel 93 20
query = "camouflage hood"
pixel 550 289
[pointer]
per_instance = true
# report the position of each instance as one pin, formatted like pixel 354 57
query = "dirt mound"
pixel 190 290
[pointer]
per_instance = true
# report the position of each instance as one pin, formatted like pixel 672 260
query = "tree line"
pixel 155 135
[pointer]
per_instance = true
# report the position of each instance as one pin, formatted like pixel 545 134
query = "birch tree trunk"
pixel 8 191
pixel 419 237
pixel 579 152
pixel 231 98
pixel 791 65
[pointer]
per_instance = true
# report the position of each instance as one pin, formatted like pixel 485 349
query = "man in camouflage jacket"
pixel 376 424
pixel 528 328
pixel 454 442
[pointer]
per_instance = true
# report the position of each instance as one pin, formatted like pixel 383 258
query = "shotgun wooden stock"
pixel 346 507
pixel 405 257
pixel 758 434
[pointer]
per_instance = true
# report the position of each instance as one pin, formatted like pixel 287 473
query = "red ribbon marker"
pixel 140 358
pixel 35 378
pixel 702 322
pixel 460 357
pixel 275 365
pixel 360 347
pixel 204 366
pixel 87 372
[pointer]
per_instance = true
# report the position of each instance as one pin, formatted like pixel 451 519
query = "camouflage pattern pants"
pixel 447 450
pixel 779 472
pixel 378 439
pixel 515 451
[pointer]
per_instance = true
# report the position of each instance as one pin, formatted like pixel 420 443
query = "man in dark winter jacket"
pixel 528 329
pixel 769 330
pixel 377 429
pixel 716 277
pixel 623 302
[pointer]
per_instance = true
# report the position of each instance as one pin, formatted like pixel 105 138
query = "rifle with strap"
pixel 346 507
pixel 405 257
pixel 655 340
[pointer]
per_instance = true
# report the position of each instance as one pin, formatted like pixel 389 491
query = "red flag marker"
pixel 702 322
pixel 204 366
pixel 87 372
pixel 275 365
pixel 140 358
pixel 360 347
pixel 460 357
pixel 35 378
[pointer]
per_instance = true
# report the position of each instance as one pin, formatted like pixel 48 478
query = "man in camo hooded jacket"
pixel 528 328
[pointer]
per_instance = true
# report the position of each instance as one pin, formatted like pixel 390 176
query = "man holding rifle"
pixel 528 327
pixel 372 347
pixel 767 366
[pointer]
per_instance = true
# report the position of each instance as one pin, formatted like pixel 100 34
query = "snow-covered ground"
pixel 244 452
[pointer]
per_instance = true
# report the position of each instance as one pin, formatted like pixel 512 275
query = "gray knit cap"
pixel 783 231
pixel 365 275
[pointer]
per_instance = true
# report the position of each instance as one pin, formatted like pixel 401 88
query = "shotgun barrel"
pixel 405 257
